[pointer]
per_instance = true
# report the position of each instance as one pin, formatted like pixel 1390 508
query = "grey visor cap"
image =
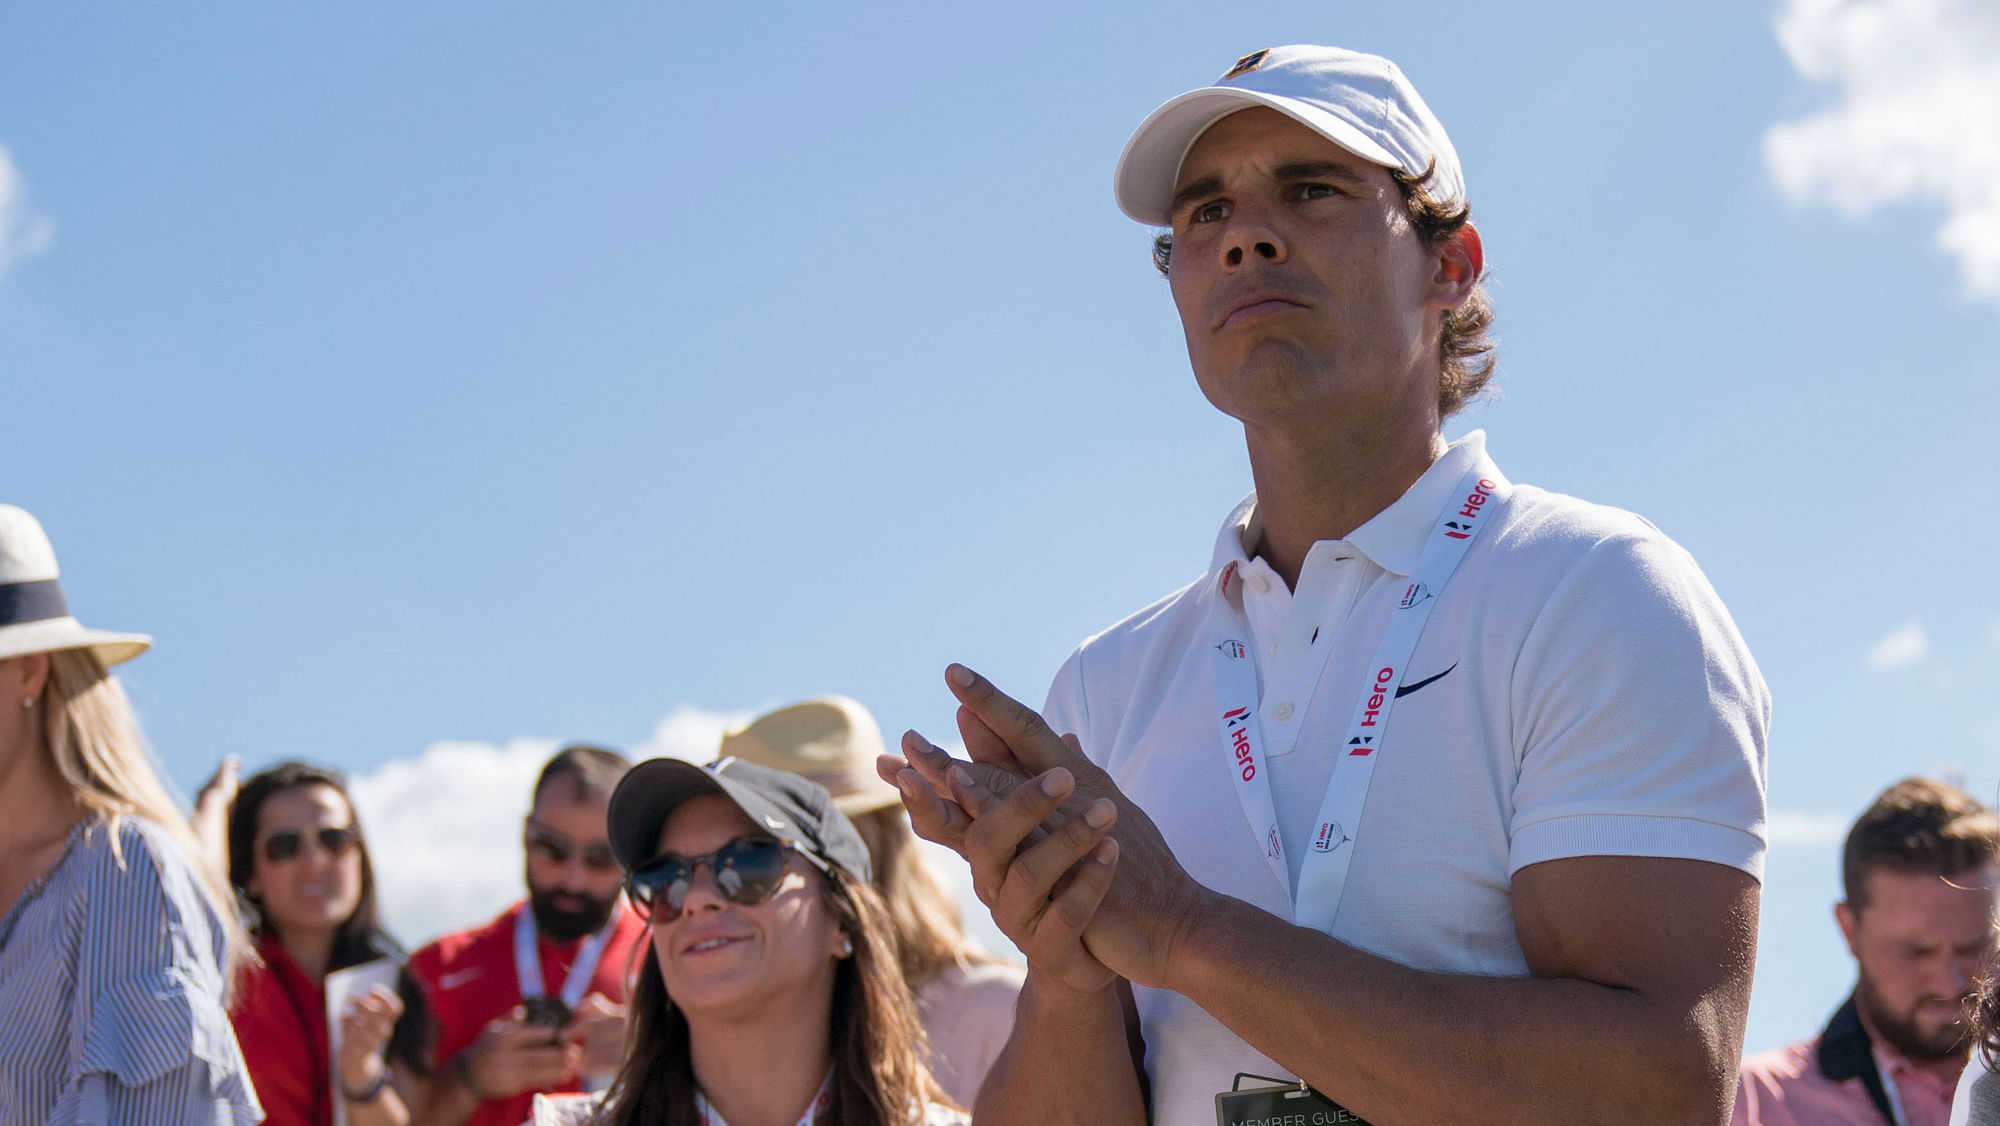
pixel 793 809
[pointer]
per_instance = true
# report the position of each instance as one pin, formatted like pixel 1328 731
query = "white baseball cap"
pixel 1360 102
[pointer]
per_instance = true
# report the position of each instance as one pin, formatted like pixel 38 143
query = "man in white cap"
pixel 1532 897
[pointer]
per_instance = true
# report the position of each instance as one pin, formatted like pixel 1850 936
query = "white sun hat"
pixel 1360 102
pixel 34 615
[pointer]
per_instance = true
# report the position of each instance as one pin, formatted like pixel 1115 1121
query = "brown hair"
pixel 923 911
pixel 1465 340
pixel 359 937
pixel 592 771
pixel 878 1047
pixel 1984 1016
pixel 1918 826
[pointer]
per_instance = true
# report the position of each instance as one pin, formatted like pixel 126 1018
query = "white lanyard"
pixel 820 1103
pixel 1323 873
pixel 528 959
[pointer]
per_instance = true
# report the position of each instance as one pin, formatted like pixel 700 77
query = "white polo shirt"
pixel 1579 690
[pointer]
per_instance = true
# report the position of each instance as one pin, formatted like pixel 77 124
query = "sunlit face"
pixel 1920 942
pixel 573 879
pixel 1302 285
pixel 720 958
pixel 314 889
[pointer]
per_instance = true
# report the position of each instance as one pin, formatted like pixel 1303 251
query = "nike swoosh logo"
pixel 1406 689
pixel 453 981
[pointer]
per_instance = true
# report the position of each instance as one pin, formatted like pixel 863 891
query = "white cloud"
pixel 22 231
pixel 1790 827
pixel 444 827
pixel 689 733
pixel 1900 648
pixel 1918 117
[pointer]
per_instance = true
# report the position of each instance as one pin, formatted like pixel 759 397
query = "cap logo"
pixel 774 823
pixel 1246 64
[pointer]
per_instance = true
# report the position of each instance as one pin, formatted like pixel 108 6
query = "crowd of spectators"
pixel 1549 913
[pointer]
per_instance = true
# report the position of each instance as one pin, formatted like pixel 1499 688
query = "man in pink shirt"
pixel 1920 876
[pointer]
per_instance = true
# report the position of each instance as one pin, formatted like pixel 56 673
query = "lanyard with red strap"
pixel 1323 873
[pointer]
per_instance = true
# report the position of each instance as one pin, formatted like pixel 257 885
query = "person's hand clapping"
pixel 1145 896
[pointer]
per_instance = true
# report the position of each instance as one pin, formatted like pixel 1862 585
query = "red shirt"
pixel 280 1019
pixel 469 978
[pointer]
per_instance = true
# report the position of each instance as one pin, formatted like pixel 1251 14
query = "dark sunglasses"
pixel 286 844
pixel 747 871
pixel 557 849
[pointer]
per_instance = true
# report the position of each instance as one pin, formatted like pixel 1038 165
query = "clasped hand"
pixel 1075 875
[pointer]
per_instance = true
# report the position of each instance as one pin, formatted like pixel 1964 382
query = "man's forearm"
pixel 1067 1061
pixel 1395 1044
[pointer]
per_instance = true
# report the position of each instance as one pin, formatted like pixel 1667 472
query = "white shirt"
pixel 1579 690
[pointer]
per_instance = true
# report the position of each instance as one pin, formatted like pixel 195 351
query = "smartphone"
pixel 549 1012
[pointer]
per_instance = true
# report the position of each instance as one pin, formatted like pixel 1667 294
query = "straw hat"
pixel 34 616
pixel 831 740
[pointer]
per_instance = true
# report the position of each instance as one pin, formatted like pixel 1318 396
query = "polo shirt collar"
pixel 1845 1052
pixel 1393 539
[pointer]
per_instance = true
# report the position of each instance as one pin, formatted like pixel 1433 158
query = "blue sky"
pixel 460 377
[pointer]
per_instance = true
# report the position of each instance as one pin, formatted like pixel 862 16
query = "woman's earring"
pixel 846 947
pixel 28 702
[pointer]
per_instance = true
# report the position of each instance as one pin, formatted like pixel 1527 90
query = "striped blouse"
pixel 111 991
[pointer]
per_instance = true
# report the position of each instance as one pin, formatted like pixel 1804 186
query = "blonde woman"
pixel 114 944
pixel 965 996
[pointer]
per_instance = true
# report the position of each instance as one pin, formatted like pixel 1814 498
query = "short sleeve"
pixel 1064 710
pixel 152 1042
pixel 1640 719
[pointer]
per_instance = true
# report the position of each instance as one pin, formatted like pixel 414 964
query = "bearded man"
pixel 1919 874
pixel 534 1001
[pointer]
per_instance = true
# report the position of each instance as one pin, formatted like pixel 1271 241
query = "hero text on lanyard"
pixel 1323 873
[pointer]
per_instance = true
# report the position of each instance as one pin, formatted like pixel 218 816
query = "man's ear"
pixel 1850 926
pixel 1461 261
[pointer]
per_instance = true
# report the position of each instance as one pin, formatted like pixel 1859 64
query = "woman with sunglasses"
pixel 774 995
pixel 297 859
pixel 965 996
pixel 115 942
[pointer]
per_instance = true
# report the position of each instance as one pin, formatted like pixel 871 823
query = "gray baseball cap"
pixel 793 809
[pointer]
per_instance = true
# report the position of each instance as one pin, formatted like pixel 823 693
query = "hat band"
pixel 21 603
